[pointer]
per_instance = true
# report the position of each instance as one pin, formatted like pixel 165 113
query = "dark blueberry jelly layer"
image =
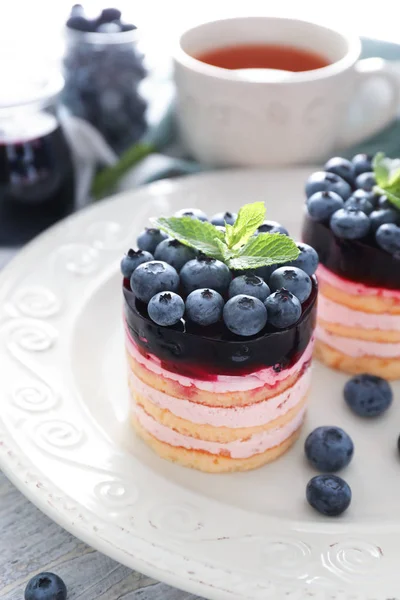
pixel 360 261
pixel 205 353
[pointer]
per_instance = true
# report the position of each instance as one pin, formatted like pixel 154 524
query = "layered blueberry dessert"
pixel 352 220
pixel 219 318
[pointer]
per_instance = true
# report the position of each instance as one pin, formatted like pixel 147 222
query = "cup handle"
pixel 365 70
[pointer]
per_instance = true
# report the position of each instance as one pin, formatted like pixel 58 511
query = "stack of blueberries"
pixel 103 70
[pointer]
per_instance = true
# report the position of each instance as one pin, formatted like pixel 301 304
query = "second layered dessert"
pixel 354 228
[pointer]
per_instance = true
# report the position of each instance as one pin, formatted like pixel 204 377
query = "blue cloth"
pixel 171 161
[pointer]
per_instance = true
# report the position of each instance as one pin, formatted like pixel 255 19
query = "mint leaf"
pixel 264 250
pixel 225 252
pixel 381 169
pixel 194 233
pixel 249 218
pixel 387 174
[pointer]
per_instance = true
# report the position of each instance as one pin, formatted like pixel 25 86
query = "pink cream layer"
pixel 358 348
pixel 353 288
pixel 256 444
pixel 333 312
pixel 252 415
pixel 223 383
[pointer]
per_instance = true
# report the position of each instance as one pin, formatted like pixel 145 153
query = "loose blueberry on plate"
pixel 193 213
pixel 350 223
pixel 368 395
pixel 329 449
pixel 150 238
pixel 272 227
pixel 283 308
pixel 366 181
pixel 362 163
pixel 204 307
pixel 205 272
pixel 342 167
pixel 361 200
pixel 152 277
pixel 249 285
pixel 322 205
pixel 294 280
pixel 174 253
pixel 330 495
pixel 223 217
pixel 133 259
pixel 166 308
pixel 388 237
pixel 45 586
pixel 321 181
pixel 382 216
pixel 245 315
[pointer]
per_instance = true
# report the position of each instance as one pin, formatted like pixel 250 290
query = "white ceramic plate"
pixel 66 443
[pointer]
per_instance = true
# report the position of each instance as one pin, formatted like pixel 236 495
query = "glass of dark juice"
pixel 36 169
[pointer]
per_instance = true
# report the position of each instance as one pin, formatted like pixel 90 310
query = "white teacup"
pixel 228 117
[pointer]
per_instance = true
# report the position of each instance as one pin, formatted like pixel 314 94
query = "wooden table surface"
pixel 31 543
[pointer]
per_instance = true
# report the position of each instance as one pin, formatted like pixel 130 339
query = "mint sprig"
pixel 239 248
pixel 387 175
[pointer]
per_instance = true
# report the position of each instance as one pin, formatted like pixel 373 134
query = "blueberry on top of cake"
pixel 352 219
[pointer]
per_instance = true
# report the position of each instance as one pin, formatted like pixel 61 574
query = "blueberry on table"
pixel 245 315
pixel 368 395
pixel 294 280
pixel 249 285
pixel 342 167
pixel 174 253
pixel 329 449
pixel 150 238
pixel 361 200
pixel 321 181
pixel 205 272
pixel 366 181
pixel 166 308
pixel 330 495
pixel 152 277
pixel 362 163
pixel 307 259
pixel 193 213
pixel 45 586
pixel 223 217
pixel 388 238
pixel 349 223
pixel 283 309
pixel 322 205
pixel 272 227
pixel 204 307
pixel 382 216
pixel 133 259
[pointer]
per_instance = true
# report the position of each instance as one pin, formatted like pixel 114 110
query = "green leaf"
pixel 225 252
pixel 381 169
pixel 249 218
pixel 387 174
pixel 194 233
pixel 106 180
pixel 264 250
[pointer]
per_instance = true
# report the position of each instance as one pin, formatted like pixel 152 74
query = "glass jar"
pixel 103 72
pixel 36 170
